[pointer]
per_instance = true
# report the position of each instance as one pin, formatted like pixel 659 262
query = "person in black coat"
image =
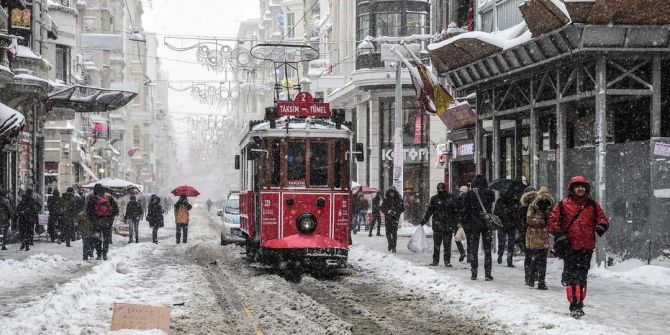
pixel 507 210
pixel 472 219
pixel 376 215
pixel 28 210
pixel 69 216
pixel 6 215
pixel 155 216
pixel 133 216
pixel 445 222
pixel 55 208
pixel 392 207
pixel 101 210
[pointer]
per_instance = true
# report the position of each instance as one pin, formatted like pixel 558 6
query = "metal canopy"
pixel 87 99
pixel 561 45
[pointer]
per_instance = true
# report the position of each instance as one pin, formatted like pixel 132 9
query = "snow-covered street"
pixel 212 290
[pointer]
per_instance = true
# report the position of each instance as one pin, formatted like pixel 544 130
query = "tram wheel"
pixel 251 251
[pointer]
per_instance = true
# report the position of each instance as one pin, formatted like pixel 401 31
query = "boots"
pixel 67 243
pixel 4 248
pixel 474 274
pixel 542 286
pixel 23 246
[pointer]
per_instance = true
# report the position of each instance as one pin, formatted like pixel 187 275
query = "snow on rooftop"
pixel 503 39
pixel 25 52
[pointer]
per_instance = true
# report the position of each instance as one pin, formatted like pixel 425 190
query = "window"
pixel 318 164
pixel 290 23
pixel 62 63
pixel 297 169
pixel 388 24
pixel 417 23
pixel 136 135
pixel 338 164
pixel 65 3
pixel 363 26
pixel 275 151
pixel 233 205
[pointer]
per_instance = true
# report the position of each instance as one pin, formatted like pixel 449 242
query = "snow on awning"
pixel 464 49
pixel 87 99
pixel 11 122
pixel 543 16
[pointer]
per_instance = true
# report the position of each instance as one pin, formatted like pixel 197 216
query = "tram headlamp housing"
pixel 306 223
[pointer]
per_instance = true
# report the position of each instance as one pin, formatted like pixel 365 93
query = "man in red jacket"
pixel 580 218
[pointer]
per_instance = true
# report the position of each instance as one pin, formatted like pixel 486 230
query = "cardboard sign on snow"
pixel 143 317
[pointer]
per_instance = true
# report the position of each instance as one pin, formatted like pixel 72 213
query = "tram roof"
pixel 298 127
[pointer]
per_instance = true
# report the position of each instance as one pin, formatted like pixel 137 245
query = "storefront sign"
pixel 420 126
pixel 411 155
pixel 100 130
pixel 662 149
pixel 463 149
pixel 21 21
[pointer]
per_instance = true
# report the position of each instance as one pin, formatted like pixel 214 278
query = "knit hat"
pixel 463 189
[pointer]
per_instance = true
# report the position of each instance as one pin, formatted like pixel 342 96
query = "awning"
pixel 543 16
pixel 51 27
pixel 11 122
pixel 89 171
pixel 87 99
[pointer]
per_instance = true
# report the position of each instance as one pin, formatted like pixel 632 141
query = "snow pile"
pixel 635 271
pixel 514 312
pixel 15 273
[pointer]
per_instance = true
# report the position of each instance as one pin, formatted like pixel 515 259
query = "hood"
pixel 579 180
pixel 392 190
pixel 544 194
pixel 528 197
pixel 480 182
pixel 68 196
pixel 98 189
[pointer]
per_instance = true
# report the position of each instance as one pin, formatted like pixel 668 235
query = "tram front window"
pixel 297 169
pixel 318 164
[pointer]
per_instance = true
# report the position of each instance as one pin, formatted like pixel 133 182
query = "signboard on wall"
pixel 662 149
pixel 100 130
pixel 463 149
pixel 21 21
pixel 420 126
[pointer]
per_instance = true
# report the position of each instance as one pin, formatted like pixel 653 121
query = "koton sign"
pixel 303 106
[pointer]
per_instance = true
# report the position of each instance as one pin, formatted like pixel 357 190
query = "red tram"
pixel 295 199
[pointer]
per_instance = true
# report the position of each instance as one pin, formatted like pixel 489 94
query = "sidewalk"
pixel 628 298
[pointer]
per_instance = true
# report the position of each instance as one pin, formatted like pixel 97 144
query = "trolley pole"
pixel 398 148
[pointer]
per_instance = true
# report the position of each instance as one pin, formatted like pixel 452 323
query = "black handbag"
pixel 561 242
pixel 492 221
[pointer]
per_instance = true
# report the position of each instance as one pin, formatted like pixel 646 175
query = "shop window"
pixel 417 23
pixel 297 168
pixel 581 126
pixel 318 164
pixel 363 27
pixel 388 24
pixel 547 132
pixel 631 119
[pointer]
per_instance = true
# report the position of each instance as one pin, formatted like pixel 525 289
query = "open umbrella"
pixel 115 186
pixel 186 190
pixel 511 186
pixel 368 190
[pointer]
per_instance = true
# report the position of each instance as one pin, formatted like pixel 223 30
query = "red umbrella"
pixel 368 190
pixel 186 190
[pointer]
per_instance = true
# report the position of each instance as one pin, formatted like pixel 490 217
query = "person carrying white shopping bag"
pixel 445 221
pixel 419 242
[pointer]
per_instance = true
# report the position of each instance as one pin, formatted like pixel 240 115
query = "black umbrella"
pixel 514 187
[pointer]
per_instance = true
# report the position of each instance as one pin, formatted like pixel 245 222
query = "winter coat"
pixel 69 206
pixel 581 233
pixel 84 224
pixel 443 209
pixel 376 203
pixel 6 211
pixel 537 216
pixel 472 216
pixel 181 214
pixel 363 204
pixel 133 210
pixel 392 207
pixel 55 207
pixel 28 210
pixel 507 210
pixel 155 215
pixel 100 222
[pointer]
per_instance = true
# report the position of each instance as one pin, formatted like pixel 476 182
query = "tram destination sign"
pixel 303 105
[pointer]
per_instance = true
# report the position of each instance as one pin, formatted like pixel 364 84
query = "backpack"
pixel 103 207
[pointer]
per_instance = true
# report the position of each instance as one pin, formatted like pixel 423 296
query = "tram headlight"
pixel 306 223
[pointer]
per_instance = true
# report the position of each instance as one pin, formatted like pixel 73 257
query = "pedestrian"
pixel 537 239
pixel 6 214
pixel 69 216
pixel 392 207
pixel 527 198
pixel 507 210
pixel 89 237
pixel 28 210
pixel 133 216
pixel 376 215
pixel 363 206
pixel 580 218
pixel 155 216
pixel 443 211
pixel 181 215
pixel 475 226
pixel 355 208
pixel 101 210
pixel 55 211
pixel 458 203
pixel 209 204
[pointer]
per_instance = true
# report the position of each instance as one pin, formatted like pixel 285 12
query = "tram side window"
pixel 276 162
pixel 297 167
pixel 318 164
pixel 338 164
